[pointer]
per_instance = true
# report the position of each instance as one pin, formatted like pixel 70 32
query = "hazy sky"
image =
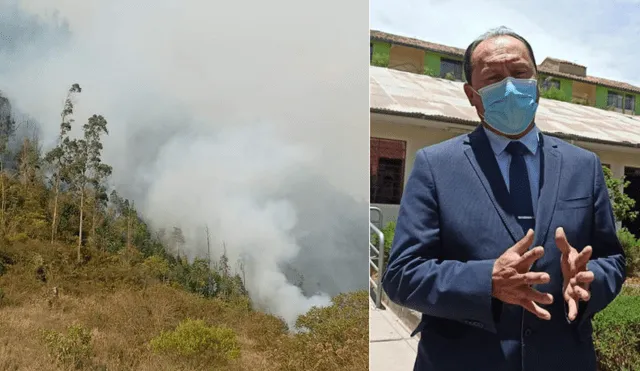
pixel 603 35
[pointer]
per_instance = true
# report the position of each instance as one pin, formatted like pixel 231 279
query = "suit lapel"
pixel 484 163
pixel 551 163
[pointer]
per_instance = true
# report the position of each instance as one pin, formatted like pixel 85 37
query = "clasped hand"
pixel 512 279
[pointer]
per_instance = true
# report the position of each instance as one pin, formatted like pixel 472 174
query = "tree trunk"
pixel 4 198
pixel 93 227
pixel 129 229
pixel 55 209
pixel 80 229
pixel 24 158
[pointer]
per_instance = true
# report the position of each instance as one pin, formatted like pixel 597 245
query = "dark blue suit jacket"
pixel 454 221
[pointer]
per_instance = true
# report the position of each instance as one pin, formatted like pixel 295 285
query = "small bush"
pixel 553 93
pixel 332 338
pixel 157 267
pixel 450 76
pixel 617 333
pixel 389 232
pixel 73 348
pixel 194 339
pixel 622 204
pixel 631 246
pixel 131 255
pixel 18 237
pixel 429 72
pixel 380 59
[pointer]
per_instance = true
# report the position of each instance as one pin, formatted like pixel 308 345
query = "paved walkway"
pixel 390 347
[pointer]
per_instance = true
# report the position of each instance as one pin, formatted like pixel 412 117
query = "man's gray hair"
pixel 500 31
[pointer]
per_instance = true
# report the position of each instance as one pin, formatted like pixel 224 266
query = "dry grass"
pixel 124 310
pixel 633 281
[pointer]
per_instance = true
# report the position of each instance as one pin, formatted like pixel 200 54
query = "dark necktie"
pixel 519 186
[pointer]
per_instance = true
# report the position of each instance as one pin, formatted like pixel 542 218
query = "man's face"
pixel 494 60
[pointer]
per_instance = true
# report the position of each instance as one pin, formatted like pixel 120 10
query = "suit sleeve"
pixel 417 278
pixel 608 260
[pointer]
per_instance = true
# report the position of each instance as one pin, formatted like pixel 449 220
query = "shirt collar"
pixel 499 143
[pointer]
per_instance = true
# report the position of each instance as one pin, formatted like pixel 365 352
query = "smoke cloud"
pixel 250 118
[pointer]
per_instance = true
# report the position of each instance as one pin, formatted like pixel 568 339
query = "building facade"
pixel 568 81
pixel 417 100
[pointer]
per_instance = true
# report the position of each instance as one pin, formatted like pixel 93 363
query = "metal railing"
pixel 377 221
pixel 376 253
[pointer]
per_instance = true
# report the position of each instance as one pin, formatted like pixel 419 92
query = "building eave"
pixel 472 124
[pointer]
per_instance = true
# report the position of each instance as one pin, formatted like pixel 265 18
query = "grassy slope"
pixel 124 308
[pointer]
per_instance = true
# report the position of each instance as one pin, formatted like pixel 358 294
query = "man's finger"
pixel 533 278
pixel 527 260
pixel 523 245
pixel 534 295
pixel 535 309
pixel 581 293
pixel 585 277
pixel 573 308
pixel 583 257
pixel 569 293
pixel 561 241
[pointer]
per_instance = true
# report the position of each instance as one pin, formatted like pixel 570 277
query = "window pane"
pixel 550 83
pixel 629 102
pixel 387 170
pixel 452 67
pixel 614 100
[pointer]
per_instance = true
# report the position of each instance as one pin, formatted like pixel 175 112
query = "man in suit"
pixel 473 210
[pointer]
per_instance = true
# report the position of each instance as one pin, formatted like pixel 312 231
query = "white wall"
pixel 421 133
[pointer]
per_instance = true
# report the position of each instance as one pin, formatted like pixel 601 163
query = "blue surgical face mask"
pixel 510 105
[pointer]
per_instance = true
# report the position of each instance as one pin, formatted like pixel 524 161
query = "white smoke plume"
pixel 249 117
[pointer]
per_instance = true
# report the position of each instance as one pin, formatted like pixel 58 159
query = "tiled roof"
pixel 592 80
pixel 415 43
pixel 564 62
pixel 408 94
pixel 457 52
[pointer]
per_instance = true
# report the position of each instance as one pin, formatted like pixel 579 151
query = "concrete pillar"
pixel 617 170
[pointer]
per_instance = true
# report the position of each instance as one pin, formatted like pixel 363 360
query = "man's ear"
pixel 468 90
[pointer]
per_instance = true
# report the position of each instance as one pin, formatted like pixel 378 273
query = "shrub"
pixel 157 267
pixel 195 277
pixel 332 338
pixel 429 72
pixel 380 60
pixel 72 348
pixel 617 333
pixel 631 246
pixel 18 237
pixel 194 339
pixel 389 232
pixel 553 93
pixel 622 204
